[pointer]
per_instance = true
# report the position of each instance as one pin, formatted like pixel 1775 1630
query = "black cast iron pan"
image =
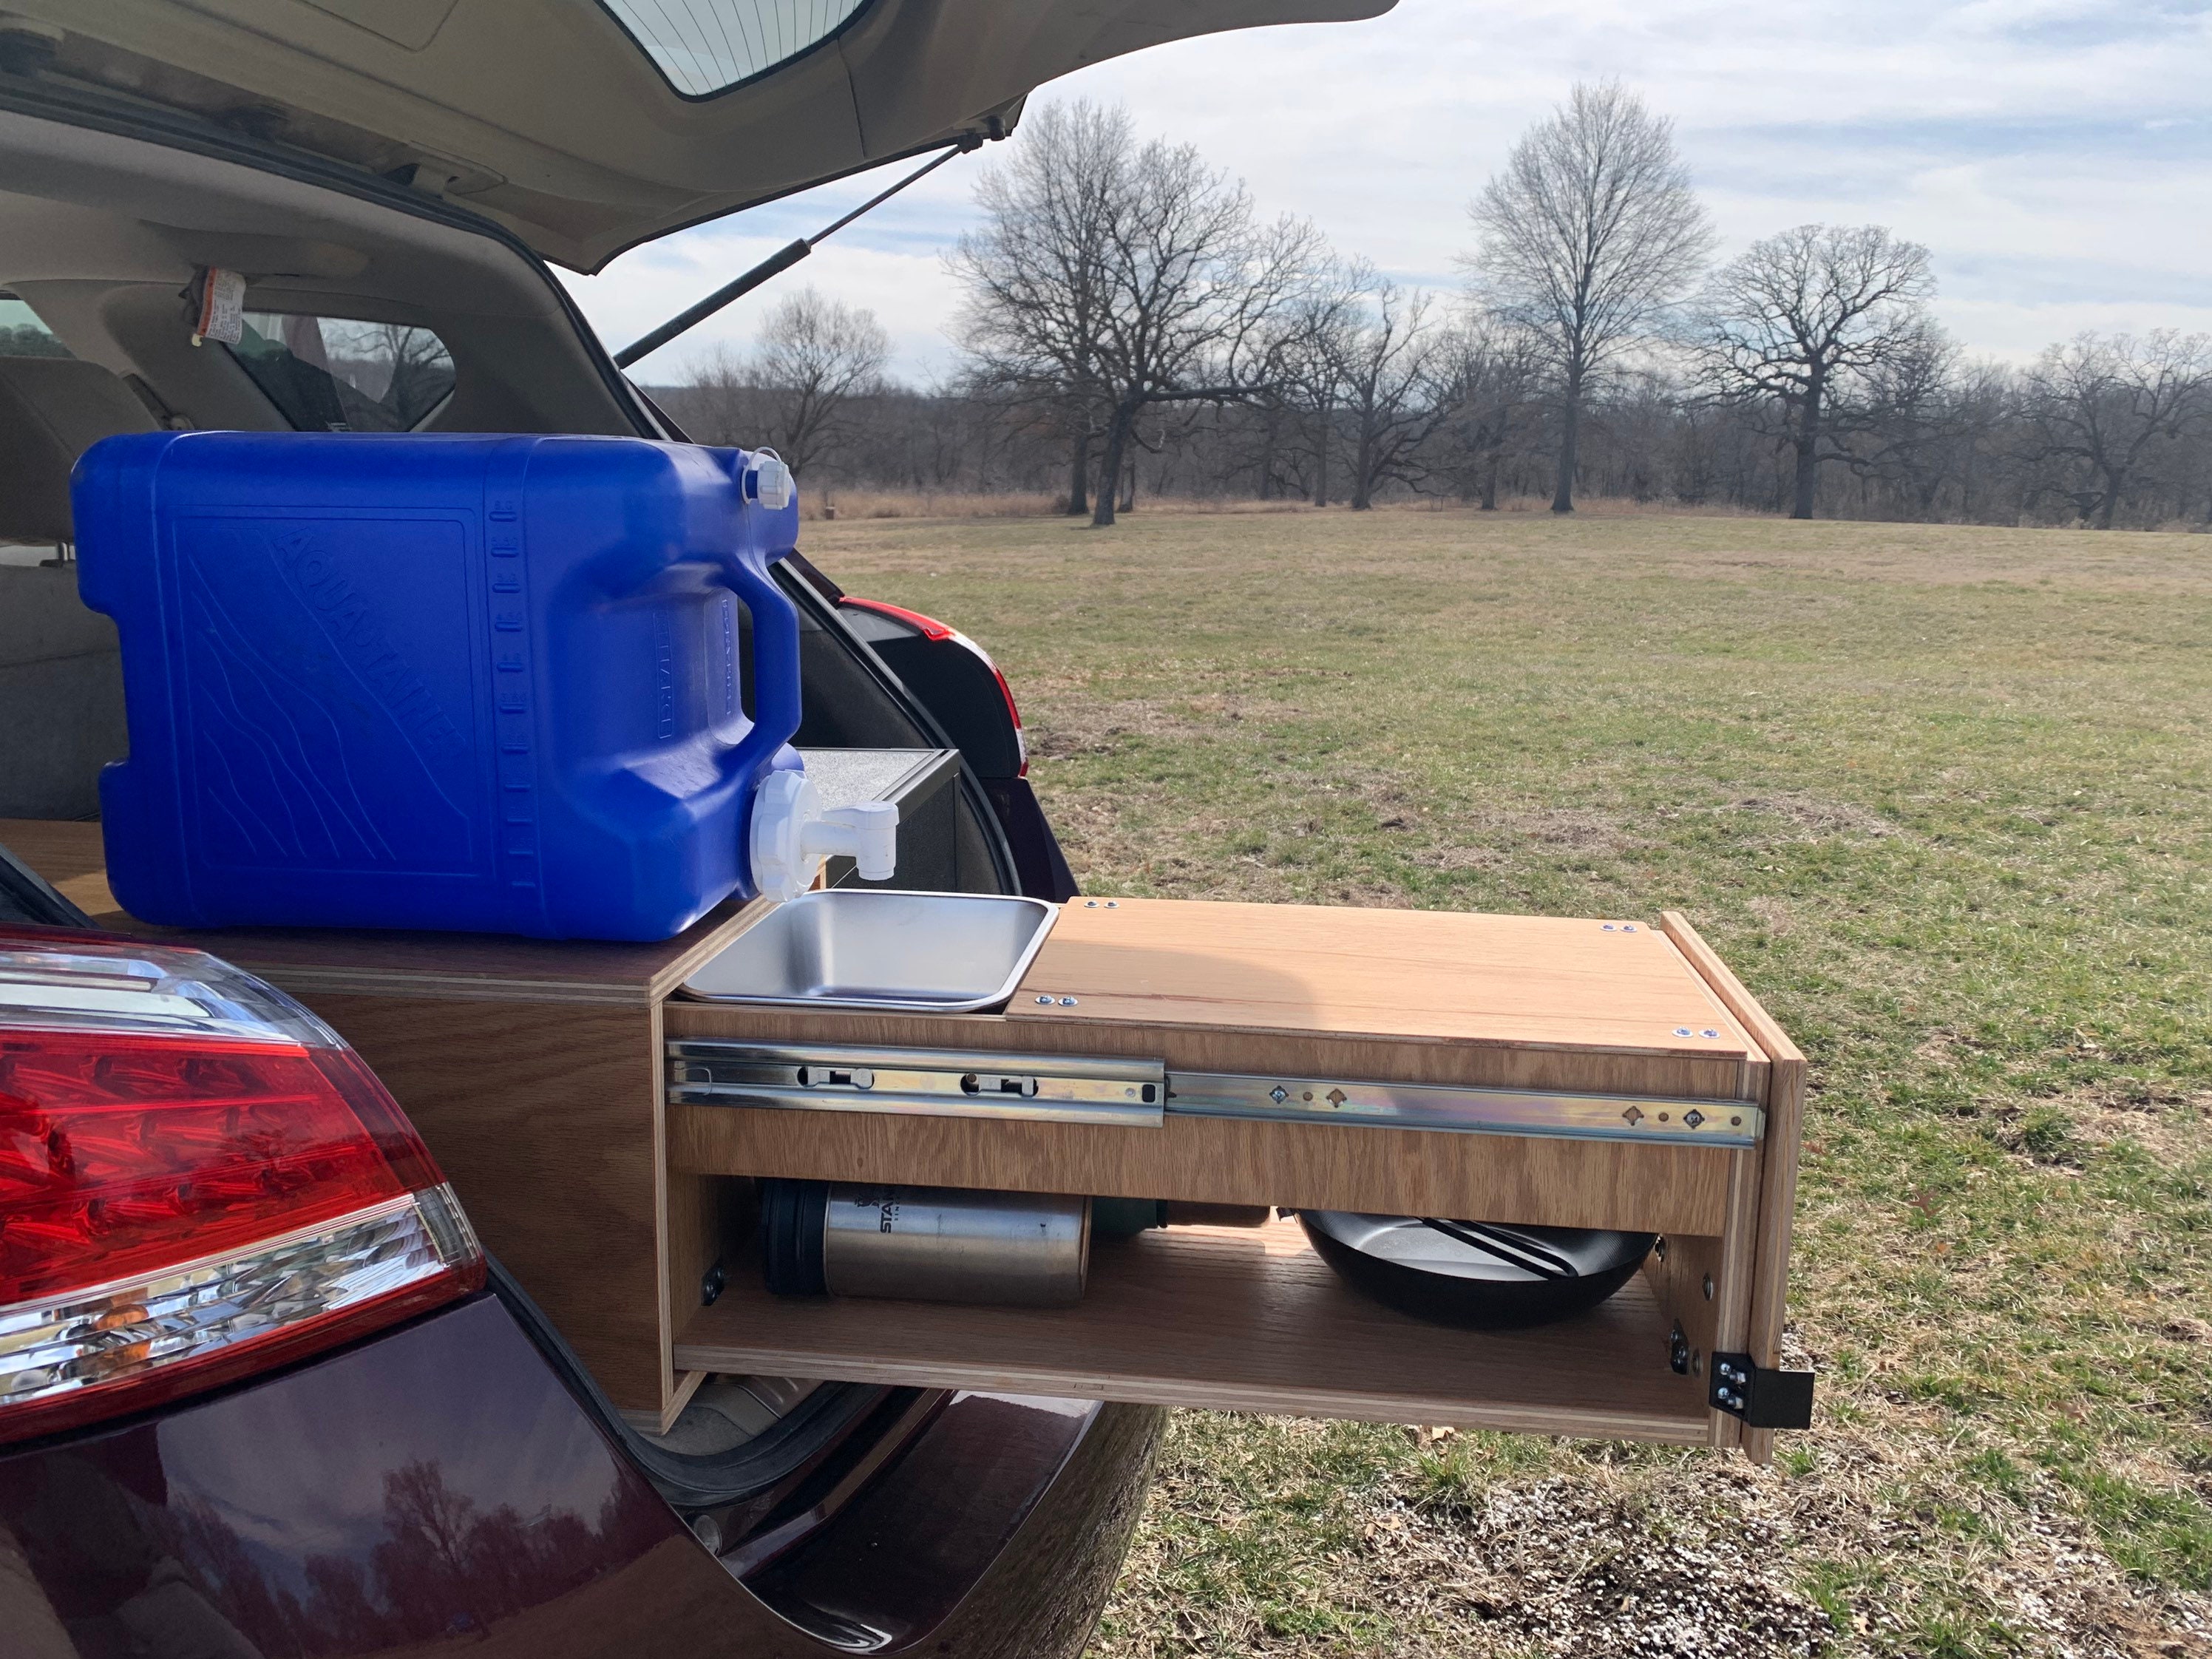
pixel 1476 1274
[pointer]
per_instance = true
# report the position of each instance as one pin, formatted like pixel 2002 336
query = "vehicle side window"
pixel 332 374
pixel 21 333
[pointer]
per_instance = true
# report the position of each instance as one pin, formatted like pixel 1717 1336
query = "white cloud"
pixel 2050 152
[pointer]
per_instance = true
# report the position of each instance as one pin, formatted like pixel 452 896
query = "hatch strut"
pixel 782 260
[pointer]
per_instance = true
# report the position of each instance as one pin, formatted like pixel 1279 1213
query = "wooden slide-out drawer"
pixel 1623 1032
pixel 537 1073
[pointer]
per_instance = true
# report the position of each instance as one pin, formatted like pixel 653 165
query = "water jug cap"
pixel 772 484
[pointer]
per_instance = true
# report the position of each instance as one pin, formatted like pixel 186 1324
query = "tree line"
pixel 1130 325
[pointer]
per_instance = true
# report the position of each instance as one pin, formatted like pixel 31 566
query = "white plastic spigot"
pixel 791 834
pixel 867 833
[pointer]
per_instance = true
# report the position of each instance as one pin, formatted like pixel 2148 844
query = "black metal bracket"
pixel 1764 1396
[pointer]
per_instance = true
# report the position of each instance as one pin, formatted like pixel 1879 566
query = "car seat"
pixel 61 676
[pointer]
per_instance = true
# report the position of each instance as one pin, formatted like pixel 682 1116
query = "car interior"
pixel 360 316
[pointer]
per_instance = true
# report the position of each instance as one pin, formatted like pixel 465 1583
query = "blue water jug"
pixel 491 683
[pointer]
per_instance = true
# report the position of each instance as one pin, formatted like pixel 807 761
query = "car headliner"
pixel 547 116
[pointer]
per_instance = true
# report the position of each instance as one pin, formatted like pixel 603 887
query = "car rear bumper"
pixel 440 1481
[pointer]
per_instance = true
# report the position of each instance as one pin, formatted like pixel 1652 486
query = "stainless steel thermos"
pixel 924 1244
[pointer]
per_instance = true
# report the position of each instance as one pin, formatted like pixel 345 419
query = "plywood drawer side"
pixel 545 1116
pixel 1533 1179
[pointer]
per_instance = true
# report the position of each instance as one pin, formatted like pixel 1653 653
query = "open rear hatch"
pixel 587 126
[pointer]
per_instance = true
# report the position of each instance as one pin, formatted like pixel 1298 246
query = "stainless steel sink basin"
pixel 941 953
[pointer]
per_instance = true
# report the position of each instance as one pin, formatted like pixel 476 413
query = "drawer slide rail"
pixel 919 1082
pixel 1063 1089
pixel 1470 1111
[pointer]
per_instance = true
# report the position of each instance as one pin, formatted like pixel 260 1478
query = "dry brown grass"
pixel 865 504
pixel 851 504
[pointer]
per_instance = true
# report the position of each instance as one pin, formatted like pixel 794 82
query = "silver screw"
pixel 1067 1002
pixel 1682 1030
pixel 1091 904
pixel 1045 1002
pixel 1709 1031
pixel 1113 904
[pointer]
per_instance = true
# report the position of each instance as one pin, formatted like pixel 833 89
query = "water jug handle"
pixel 776 705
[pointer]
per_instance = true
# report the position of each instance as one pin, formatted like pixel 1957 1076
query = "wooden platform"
pixel 1390 975
pixel 1233 1320
pixel 369 962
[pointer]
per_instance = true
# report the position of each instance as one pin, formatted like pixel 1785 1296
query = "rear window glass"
pixel 21 333
pixel 705 46
pixel 330 375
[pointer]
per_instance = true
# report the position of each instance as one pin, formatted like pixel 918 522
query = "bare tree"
pixel 2100 407
pixel 1587 237
pixel 1311 350
pixel 1128 277
pixel 1800 320
pixel 1392 364
pixel 796 389
pixel 1194 288
pixel 1927 425
pixel 1913 419
pixel 1036 272
pixel 1492 375
pixel 1124 298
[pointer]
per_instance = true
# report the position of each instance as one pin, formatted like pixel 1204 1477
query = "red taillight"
pixel 136 1153
pixel 197 1180
pixel 1021 738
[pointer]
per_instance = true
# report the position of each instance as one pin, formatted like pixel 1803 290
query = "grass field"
pixel 1940 796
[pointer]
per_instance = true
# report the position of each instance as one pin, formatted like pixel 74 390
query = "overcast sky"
pixel 2055 155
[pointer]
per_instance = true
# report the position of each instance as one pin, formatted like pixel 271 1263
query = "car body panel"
pixel 438 1482
pixel 547 116
pixel 436 1478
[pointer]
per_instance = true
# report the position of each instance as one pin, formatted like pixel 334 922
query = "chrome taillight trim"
pixel 126 1329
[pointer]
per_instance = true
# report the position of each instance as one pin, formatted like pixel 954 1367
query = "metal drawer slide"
pixel 1468 1111
pixel 922 1082
pixel 1061 1089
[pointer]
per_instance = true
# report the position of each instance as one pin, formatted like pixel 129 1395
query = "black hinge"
pixel 1762 1396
